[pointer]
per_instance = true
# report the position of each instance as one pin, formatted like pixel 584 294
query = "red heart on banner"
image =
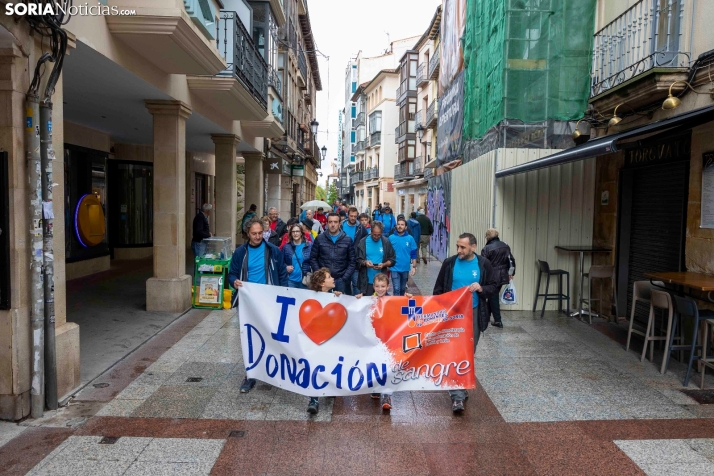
pixel 319 323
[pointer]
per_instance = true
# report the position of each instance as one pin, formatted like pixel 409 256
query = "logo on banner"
pixel 411 311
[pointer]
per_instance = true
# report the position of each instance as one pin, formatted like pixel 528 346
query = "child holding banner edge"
pixel 381 285
pixel 322 281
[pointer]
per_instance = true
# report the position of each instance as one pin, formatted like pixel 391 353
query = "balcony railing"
pixel 404 171
pixel 291 37
pixel 243 58
pixel 375 139
pixel 434 66
pixel 360 120
pixel 371 173
pixel 275 81
pixel 418 119
pixel 357 177
pixel 359 147
pixel 432 114
pixel 428 173
pixel 418 166
pixel 647 35
pixel 422 77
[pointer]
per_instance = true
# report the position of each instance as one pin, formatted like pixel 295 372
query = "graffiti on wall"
pixel 438 209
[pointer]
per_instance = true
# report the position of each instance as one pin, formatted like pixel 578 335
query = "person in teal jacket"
pixel 405 249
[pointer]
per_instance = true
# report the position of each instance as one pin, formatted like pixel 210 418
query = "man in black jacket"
pixel 277 225
pixel 468 269
pixel 427 228
pixel 335 251
pixel 354 229
pixel 504 265
pixel 367 264
pixel 201 230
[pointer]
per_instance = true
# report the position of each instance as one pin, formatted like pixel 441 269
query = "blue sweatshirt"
pixel 389 223
pixel 406 250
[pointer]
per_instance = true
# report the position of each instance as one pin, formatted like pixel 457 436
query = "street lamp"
pixel 324 152
pixel 313 126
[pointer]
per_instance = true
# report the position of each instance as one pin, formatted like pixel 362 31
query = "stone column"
pixel 254 180
pixel 225 212
pixel 170 288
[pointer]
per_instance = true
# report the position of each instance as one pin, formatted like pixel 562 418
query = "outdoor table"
pixel 701 282
pixel 581 249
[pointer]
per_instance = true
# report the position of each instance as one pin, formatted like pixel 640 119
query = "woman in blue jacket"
pixel 297 257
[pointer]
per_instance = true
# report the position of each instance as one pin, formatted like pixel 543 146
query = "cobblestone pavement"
pixel 555 396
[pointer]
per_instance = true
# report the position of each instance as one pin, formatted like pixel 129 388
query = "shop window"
pixel 130 204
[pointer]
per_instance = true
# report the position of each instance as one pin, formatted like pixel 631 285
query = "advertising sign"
pixel 317 344
pixel 453 22
pixel 451 122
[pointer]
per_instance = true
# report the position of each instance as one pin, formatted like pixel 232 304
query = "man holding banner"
pixel 467 269
pixel 257 262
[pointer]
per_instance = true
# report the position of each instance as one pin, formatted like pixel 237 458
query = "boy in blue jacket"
pixel 405 249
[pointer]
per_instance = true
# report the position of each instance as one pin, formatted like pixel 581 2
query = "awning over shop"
pixel 615 142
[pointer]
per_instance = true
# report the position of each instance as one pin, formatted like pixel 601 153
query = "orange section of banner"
pixel 429 336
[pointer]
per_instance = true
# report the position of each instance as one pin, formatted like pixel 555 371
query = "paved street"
pixel 555 396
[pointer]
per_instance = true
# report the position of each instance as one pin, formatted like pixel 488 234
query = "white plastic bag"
pixel 508 295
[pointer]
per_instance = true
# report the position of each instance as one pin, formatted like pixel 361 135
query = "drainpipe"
pixel 47 156
pixel 37 318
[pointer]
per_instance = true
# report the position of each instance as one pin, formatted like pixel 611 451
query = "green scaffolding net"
pixel 527 60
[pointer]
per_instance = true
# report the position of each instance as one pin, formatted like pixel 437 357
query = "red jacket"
pixel 308 238
pixel 321 218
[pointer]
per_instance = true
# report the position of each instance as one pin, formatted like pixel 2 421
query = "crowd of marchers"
pixel 341 251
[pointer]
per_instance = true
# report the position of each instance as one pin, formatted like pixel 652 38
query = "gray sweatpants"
pixel 461 393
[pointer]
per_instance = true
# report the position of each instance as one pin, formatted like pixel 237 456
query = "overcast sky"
pixel 343 28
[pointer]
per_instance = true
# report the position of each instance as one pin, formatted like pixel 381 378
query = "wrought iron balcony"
pixel 375 139
pixel 428 173
pixel 244 60
pixel 418 168
pixel 422 77
pixel 419 119
pixel 404 171
pixel 648 35
pixel 371 173
pixel 275 81
pixel 359 147
pixel 357 177
pixel 434 63
pixel 432 114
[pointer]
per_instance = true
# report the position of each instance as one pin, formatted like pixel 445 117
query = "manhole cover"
pixel 100 385
pixel 704 397
pixel 194 379
pixel 236 434
pixel 109 440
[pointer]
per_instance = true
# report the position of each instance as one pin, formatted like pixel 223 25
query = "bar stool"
pixel 600 272
pixel 706 361
pixel 659 300
pixel 544 268
pixel 641 291
pixel 687 307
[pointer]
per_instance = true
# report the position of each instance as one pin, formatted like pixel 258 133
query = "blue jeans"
pixel 341 285
pixel 199 249
pixel 461 394
pixel 355 283
pixel 399 282
pixel 296 285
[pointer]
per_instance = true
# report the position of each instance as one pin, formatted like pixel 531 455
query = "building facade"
pixel 154 114
pixel 411 177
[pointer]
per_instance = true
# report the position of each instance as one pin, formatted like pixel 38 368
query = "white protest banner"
pixel 317 344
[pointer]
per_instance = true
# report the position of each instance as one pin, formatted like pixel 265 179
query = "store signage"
pixel 298 170
pixel 670 149
pixel 276 165
pixel 451 122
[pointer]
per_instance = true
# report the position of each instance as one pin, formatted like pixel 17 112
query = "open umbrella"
pixel 315 204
